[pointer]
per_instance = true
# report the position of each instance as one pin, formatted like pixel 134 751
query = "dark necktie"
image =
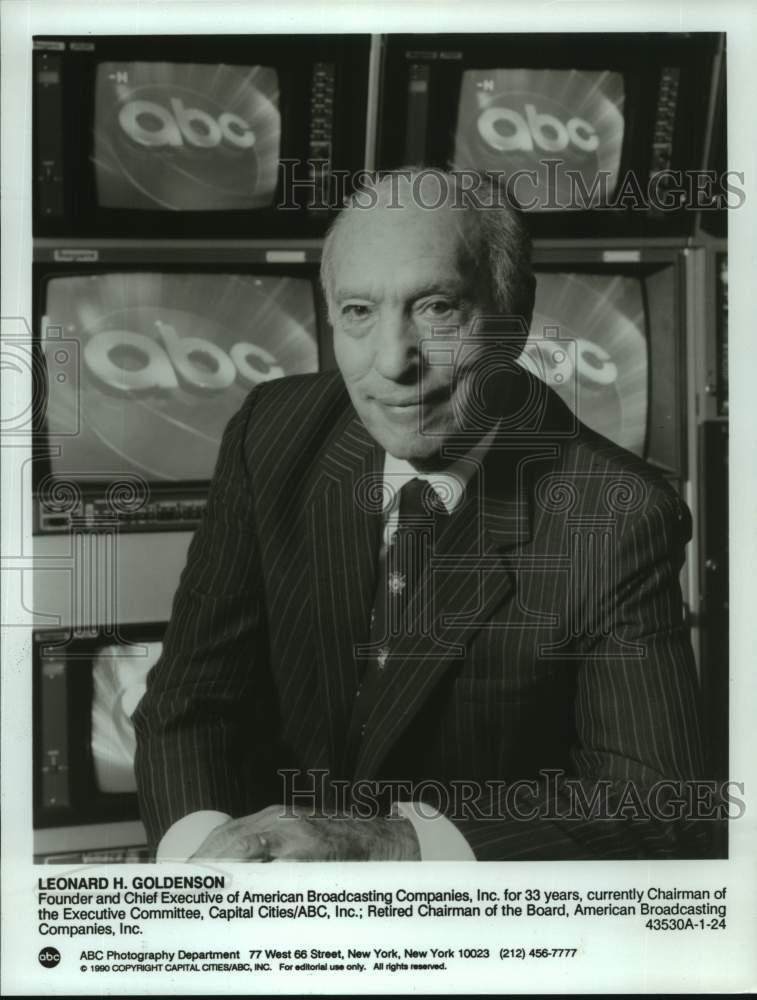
pixel 401 605
pixel 403 601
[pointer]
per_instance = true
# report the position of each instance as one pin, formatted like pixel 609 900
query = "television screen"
pixel 588 341
pixel 119 675
pixel 165 360
pixel 186 136
pixel 561 130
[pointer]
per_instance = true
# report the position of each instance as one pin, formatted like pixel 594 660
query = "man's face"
pixel 398 273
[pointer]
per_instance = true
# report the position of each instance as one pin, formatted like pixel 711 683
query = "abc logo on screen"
pixel 547 127
pixel 514 136
pixel 148 123
pixel 186 137
pixel 504 129
pixel 125 361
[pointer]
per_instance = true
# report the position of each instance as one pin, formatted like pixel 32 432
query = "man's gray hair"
pixel 497 243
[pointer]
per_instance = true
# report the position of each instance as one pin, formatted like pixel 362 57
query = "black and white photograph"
pixel 376 488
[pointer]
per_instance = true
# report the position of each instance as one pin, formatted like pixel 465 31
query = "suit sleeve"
pixel 209 685
pixel 636 718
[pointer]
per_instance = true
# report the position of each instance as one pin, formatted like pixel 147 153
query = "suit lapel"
pixel 343 524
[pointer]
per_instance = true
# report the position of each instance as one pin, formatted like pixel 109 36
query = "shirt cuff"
pixel 181 840
pixel 438 839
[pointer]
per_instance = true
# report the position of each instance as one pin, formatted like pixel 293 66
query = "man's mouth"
pixel 409 404
pixel 416 401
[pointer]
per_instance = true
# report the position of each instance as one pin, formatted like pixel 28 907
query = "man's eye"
pixel 439 308
pixel 355 311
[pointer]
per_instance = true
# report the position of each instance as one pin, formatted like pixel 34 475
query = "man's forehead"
pixel 401 234
pixel 432 277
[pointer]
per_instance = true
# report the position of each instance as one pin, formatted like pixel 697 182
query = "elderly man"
pixel 428 615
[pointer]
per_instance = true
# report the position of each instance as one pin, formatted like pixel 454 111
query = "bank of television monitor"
pixel 85 691
pixel 608 341
pixel 143 368
pixel 586 131
pixel 195 136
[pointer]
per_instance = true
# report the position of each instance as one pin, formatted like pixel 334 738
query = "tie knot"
pixel 419 501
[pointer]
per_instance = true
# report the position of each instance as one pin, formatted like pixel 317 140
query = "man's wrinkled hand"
pixel 281 833
pixel 237 839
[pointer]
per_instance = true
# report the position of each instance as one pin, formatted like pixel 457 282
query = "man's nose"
pixel 397 346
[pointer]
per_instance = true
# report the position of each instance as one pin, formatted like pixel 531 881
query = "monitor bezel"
pixel 643 263
pixel 91 486
pixel 638 56
pixel 292 56
pixel 87 803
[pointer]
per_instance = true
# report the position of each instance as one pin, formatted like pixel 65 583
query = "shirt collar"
pixel 449 483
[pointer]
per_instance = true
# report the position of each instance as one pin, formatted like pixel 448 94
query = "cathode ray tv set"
pixel 85 690
pixel 589 137
pixel 608 339
pixel 144 367
pixel 177 136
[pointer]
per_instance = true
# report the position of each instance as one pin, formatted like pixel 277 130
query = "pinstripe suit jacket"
pixel 556 639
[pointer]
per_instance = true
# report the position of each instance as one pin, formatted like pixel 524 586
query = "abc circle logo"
pixel 131 362
pixel 505 130
pixel 150 124
pixel 49 957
